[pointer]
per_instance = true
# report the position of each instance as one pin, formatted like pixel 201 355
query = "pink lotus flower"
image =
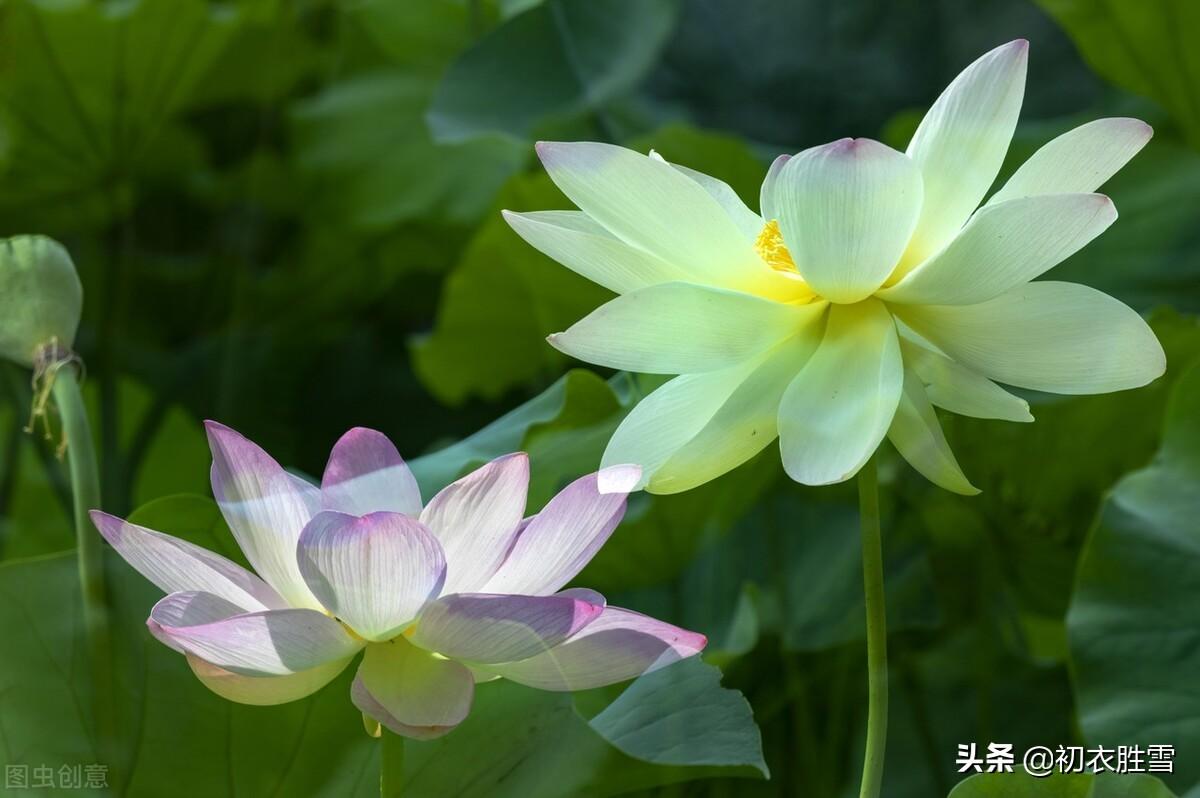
pixel 438 596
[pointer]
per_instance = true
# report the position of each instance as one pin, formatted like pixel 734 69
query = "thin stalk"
pixel 85 487
pixel 877 669
pixel 391 766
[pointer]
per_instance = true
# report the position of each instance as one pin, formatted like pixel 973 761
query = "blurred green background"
pixel 286 217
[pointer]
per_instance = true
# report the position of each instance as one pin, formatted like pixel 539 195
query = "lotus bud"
pixel 40 303
pixel 40 298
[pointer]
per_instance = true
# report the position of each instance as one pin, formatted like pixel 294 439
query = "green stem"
pixel 85 487
pixel 877 669
pixel 391 766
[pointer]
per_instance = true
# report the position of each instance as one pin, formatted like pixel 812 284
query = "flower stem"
pixel 877 669
pixel 85 487
pixel 391 766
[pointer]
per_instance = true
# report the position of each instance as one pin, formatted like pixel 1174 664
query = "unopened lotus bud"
pixel 40 298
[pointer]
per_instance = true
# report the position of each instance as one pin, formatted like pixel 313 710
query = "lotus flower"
pixel 438 597
pixel 870 289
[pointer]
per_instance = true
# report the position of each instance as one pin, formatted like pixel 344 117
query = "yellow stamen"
pixel 771 248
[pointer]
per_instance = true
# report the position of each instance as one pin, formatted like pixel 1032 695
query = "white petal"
pixel 1048 336
pixel 836 412
pixel 766 195
pixel 265 643
pixel 749 222
pixel 917 435
pixel 476 519
pixel 412 692
pixel 365 474
pixel 560 540
pixel 264 691
pixel 175 565
pixel 1004 246
pixel 652 206
pixel 617 646
pixel 678 328
pixel 373 572
pixel 487 627
pixel 587 249
pixel 954 387
pixel 847 210
pixel 746 423
pixel 671 416
pixel 1078 161
pixel 961 143
pixel 265 508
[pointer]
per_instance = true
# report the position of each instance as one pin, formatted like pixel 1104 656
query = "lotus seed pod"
pixel 40 297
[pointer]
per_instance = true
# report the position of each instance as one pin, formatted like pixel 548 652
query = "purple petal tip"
pixel 216 430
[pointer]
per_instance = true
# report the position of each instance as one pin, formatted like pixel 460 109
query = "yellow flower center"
pixel 770 248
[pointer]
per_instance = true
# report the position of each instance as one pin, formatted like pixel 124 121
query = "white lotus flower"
pixel 872 287
pixel 437 596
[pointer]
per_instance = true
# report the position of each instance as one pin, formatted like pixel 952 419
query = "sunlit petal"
pixel 679 328
pixel 365 474
pixel 560 540
pixel 476 519
pixel 1048 336
pixel 847 210
pixel 835 413
pixel 961 143
pixel 660 424
pixel 747 421
pixel 373 572
pixel 175 565
pixel 654 207
pixel 746 220
pixel 1078 161
pixel 1004 246
pixel 587 249
pixel 265 508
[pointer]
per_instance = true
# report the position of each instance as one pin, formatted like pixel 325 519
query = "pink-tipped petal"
pixel 618 645
pixel 264 643
pixel 847 210
pixel 373 572
pixel 476 518
pixel 262 691
pixel 366 474
pixel 483 627
pixel 412 692
pixel 266 509
pixel 175 565
pixel 560 540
